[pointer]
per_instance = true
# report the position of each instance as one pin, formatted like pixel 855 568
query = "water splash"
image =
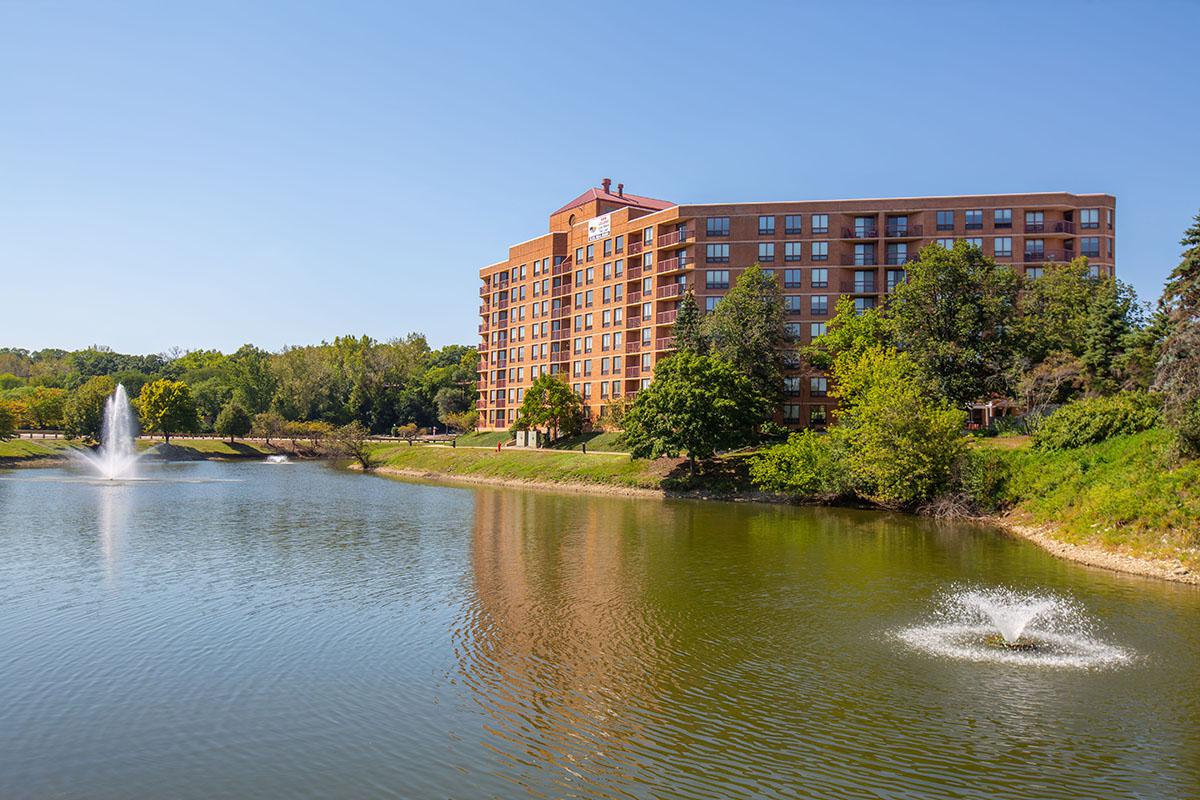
pixel 277 459
pixel 1001 625
pixel 116 457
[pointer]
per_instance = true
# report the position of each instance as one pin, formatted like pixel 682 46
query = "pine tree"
pixel 1106 326
pixel 689 337
pixel 1178 373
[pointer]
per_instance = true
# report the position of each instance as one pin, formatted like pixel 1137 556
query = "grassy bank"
pixel 1123 494
pixel 543 466
pixel 17 451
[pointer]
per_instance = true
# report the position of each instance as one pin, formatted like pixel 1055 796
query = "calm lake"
pixel 250 630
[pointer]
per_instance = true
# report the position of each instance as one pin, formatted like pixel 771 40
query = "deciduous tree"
pixel 167 407
pixel 233 421
pixel 550 403
pixel 747 330
pixel 83 412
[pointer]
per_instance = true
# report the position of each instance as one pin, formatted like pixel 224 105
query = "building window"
pixel 1034 249
pixel 648 235
pixel 818 386
pixel 945 243
pixel 621 243
pixel 1035 222
pixel 607 248
pixel 1109 215
pixel 793 224
pixel 862 304
pixel 791 413
pixel 1093 271
pixel 717 253
pixel 1089 218
pixel 816 416
pixel 864 228
pixel 864 281
pixel 591 253
pixel 864 255
pixel 791 385
pixel 578 255
pixel 1002 246
pixel 894 277
pixel 1002 218
pixel 792 251
pixel 716 279
pixel 792 303
pixel 897 254
pixel 820 278
pixel 792 279
pixel 711 301
pixel 945 220
pixel 819 305
pixel 820 223
pixel 792 330
pixel 766 226
pixel 766 252
pixel 974 219
pixel 716 226
pixel 975 242
pixel 1090 246
pixel 820 251
pixel 1033 272
pixel 817 329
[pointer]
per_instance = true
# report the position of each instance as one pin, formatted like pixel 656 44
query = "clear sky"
pixel 207 174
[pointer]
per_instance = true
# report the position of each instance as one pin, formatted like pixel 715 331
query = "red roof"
pixel 596 193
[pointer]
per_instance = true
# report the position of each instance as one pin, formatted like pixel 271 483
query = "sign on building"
pixel 599 227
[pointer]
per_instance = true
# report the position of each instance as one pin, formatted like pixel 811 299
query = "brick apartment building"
pixel 595 298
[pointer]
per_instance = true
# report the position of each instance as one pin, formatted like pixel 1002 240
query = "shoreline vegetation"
pixel 1109 505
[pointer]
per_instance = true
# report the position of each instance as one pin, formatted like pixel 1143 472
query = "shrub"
pixel 985 478
pixel 808 464
pixel 1090 421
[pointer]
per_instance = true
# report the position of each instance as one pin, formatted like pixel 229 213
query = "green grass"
pixel 484 438
pixel 1123 493
pixel 31 449
pixel 527 465
pixel 214 448
pixel 600 441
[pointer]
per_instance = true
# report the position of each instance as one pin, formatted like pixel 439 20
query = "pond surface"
pixel 266 631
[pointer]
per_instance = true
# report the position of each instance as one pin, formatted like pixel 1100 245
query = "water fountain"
pixel 1006 626
pixel 278 459
pixel 116 456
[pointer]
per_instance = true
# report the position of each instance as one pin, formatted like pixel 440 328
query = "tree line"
pixel 299 392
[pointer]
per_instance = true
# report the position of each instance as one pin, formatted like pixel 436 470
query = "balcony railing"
pixel 633 297
pixel 672 264
pixel 858 287
pixel 671 290
pixel 675 237
pixel 560 312
pixel 502 304
pixel 562 267
pixel 484 290
pixel 633 372
pixel 899 230
pixel 633 322
pixel 499 402
pixel 634 271
pixel 483 328
pixel 665 343
pixel 560 290
pixel 500 382
pixel 860 233
pixel 560 334
pixel 1049 256
pixel 635 248
pixel 666 317
pixel 863 261
pixel 897 260
pixel 1053 226
pixel 633 347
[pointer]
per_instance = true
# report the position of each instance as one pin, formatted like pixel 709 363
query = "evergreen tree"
pixel 1106 328
pixel 689 335
pixel 747 329
pixel 1178 373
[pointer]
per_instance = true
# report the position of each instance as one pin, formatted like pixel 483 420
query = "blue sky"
pixel 207 174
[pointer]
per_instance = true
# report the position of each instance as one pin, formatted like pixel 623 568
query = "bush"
pixel 808 465
pixel 1084 422
pixel 985 479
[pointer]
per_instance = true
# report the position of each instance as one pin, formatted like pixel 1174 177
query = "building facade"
pixel 595 298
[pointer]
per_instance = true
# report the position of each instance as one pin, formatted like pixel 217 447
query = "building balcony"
pixel 860 233
pixel 1049 256
pixel 634 248
pixel 665 343
pixel 858 287
pixel 502 304
pixel 633 297
pixel 499 402
pixel 562 267
pixel 672 290
pixel 863 261
pixel 500 382
pixel 484 291
pixel 633 371
pixel 1051 226
pixel 673 264
pixel 483 328
pixel 900 230
pixel 560 312
pixel 634 271
pixel 560 290
pixel 666 317
pixel 633 322
pixel 633 347
pixel 676 238
pixel 897 260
